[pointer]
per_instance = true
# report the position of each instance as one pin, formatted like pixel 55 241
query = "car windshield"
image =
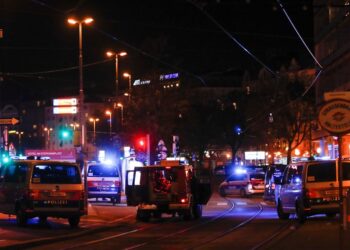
pixel 56 174
pixel 321 172
pixel 103 171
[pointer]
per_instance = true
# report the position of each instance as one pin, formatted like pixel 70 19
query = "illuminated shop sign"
pixel 138 82
pixel 65 110
pixel 65 102
pixel 254 155
pixel 169 76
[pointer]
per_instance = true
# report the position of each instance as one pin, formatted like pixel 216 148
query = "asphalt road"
pixel 231 222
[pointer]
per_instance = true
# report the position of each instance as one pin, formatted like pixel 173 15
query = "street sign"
pixel 334 116
pixel 65 102
pixel 328 96
pixel 9 121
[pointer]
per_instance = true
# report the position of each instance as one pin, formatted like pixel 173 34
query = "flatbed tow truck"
pixel 169 187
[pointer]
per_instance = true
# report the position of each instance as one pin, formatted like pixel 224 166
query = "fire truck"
pixel 170 187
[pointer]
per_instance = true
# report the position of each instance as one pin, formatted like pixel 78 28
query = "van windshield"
pixel 56 174
pixel 321 172
pixel 103 171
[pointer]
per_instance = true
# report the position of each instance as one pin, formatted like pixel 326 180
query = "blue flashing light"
pixel 237 130
pixel 240 171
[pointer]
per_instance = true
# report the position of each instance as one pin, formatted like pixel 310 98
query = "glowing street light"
pixel 117 55
pixel 48 131
pixel 127 75
pixel 109 113
pixel 121 108
pixel 94 120
pixel 80 23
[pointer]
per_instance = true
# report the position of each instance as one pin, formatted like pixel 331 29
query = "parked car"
pixel 310 188
pixel 273 176
pixel 42 188
pixel 243 183
pixel 104 181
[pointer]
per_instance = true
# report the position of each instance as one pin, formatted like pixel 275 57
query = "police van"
pixel 42 188
pixel 104 181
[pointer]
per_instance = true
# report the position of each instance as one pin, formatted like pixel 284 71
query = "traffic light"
pixel 140 146
pixel 65 134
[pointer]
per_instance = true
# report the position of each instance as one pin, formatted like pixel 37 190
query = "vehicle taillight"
pixel 249 186
pixel 32 195
pixel 183 200
pixel 311 194
pixel 116 183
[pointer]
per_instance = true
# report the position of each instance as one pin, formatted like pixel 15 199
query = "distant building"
pixel 332 49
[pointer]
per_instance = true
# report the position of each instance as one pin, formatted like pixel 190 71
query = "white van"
pixel 312 187
pixel 42 188
pixel 104 181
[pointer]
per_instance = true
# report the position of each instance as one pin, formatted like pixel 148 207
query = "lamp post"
pixel 109 113
pixel 117 55
pixel 122 115
pixel 80 23
pixel 127 75
pixel 74 125
pixel 48 131
pixel 19 133
pixel 94 120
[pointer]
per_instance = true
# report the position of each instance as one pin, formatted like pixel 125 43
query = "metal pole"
pixel 116 77
pixel 110 124
pixel 342 200
pixel 81 88
pixel 148 144
pixel 129 87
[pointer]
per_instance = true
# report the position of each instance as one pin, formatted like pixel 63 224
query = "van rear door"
pixel 134 189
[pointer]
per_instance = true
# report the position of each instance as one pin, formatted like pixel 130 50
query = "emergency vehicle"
pixel 42 188
pixel 104 181
pixel 169 187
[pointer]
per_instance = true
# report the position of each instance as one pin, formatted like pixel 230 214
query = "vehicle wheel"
pixel 118 199
pixel 42 219
pixel 21 218
pixel 282 215
pixel 197 211
pixel 74 221
pixel 222 192
pixel 188 214
pixel 331 215
pixel 142 216
pixel 301 217
pixel 242 193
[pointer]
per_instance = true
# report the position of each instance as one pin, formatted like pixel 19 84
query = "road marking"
pixel 221 204
pixel 241 203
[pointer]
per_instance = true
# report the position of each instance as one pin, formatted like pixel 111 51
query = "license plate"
pixel 56 202
pixel 57 194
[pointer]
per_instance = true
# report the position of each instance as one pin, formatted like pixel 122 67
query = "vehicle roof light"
pixel 240 171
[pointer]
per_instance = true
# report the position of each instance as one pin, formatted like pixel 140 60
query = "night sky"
pixel 39 50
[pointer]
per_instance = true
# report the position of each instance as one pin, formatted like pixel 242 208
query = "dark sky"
pixel 159 36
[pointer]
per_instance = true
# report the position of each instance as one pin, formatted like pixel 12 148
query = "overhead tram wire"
pixel 305 45
pixel 130 46
pixel 232 37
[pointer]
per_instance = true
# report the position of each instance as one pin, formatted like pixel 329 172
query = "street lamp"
pixel 109 113
pixel 121 108
pixel 74 125
pixel 48 131
pixel 19 133
pixel 80 23
pixel 127 75
pixel 94 120
pixel 117 55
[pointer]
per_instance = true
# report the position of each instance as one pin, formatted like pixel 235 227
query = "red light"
pixel 141 142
